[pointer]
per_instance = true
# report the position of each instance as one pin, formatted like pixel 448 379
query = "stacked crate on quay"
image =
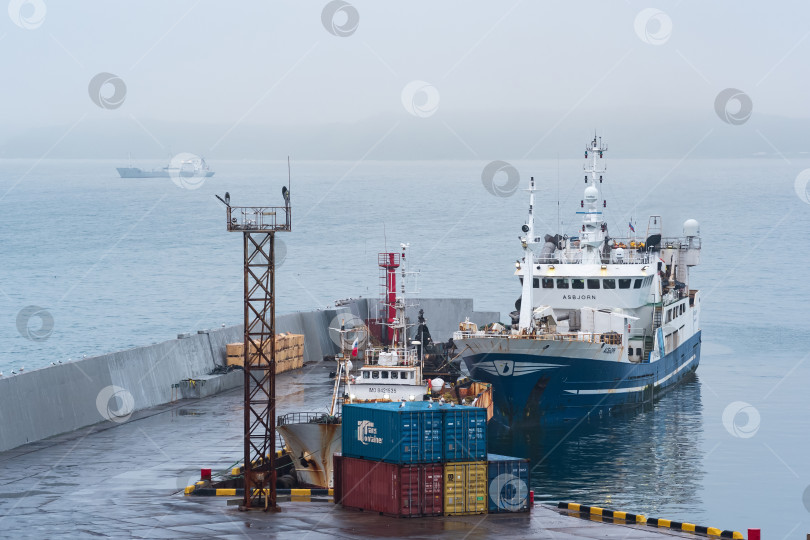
pixel 465 488
pixel 289 352
pixel 403 433
pixel 465 433
pixel 389 488
pixel 465 465
pixel 425 458
pixel 391 460
pixel 507 484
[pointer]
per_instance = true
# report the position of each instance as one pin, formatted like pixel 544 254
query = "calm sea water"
pixel 118 263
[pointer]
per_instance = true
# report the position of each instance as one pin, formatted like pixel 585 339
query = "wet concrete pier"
pixel 127 479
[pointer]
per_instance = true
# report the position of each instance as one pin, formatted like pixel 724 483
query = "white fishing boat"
pixel 391 371
pixel 603 323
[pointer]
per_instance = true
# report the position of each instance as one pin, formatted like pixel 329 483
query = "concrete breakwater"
pixel 58 399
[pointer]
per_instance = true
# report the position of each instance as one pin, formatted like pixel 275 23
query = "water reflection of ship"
pixel 648 460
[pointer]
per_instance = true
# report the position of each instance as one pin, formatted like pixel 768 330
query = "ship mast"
pixel 527 298
pixel 594 228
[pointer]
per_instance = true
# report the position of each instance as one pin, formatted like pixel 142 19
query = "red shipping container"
pixel 337 483
pixel 389 488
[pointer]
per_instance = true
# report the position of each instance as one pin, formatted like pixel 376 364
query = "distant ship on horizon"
pixel 185 168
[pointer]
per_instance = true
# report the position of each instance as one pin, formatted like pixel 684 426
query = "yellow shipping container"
pixel 465 488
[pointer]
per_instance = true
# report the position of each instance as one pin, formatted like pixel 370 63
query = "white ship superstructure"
pixel 394 370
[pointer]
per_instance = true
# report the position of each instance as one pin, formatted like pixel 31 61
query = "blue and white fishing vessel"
pixel 602 323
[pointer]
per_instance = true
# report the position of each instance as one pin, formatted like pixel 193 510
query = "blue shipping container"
pixel 508 479
pixel 465 433
pixel 409 432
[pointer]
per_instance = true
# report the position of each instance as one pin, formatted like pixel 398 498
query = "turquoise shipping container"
pixel 465 433
pixel 402 433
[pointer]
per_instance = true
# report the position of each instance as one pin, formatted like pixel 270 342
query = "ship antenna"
pixel 527 296
pixel 289 175
pixel 558 193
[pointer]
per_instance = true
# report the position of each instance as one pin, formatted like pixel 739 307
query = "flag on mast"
pixel 631 226
pixel 354 348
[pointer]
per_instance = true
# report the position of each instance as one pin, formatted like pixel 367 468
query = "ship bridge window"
pixel 536 283
pixel 384 374
pixel 394 375
pixel 624 283
pixel 562 283
pixel 577 283
pixel 366 375
pixel 637 284
pixel 608 283
pixel 638 351
pixel 593 283
pixel 548 283
pixel 375 374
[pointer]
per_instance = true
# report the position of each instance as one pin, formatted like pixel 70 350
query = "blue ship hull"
pixel 566 389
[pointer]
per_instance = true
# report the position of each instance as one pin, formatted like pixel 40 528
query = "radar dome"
pixel 691 227
pixel 591 193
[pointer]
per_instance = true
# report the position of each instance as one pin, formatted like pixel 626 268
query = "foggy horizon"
pixel 416 81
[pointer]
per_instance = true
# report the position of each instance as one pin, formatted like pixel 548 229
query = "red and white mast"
pixel 388 263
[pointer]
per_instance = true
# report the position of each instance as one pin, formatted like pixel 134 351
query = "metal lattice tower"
pixel 258 226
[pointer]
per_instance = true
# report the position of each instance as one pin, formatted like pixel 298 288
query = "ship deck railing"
pixel 576 258
pixel 667 242
pixel 303 418
pixel 403 358
pixel 635 251
pixel 259 218
pixel 611 338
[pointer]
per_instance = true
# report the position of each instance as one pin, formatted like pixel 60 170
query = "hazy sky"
pixel 263 79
